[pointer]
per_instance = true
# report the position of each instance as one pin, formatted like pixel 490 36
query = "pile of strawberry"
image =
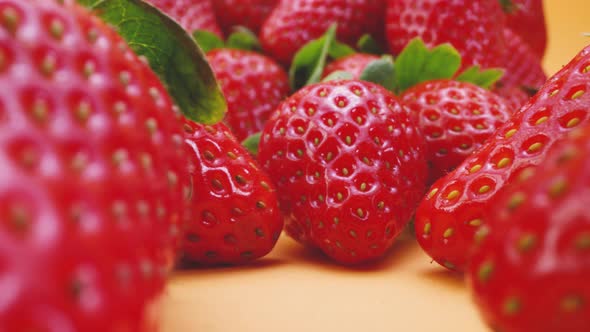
pixel 345 120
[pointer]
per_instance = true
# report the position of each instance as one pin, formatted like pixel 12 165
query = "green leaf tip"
pixel 417 64
pixel 171 52
pixel 338 75
pixel 244 39
pixel 309 62
pixel 368 44
pixel 381 72
pixel 207 40
pixel 508 6
pixel 252 142
pixel 483 78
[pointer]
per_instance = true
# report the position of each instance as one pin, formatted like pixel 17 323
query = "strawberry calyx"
pixel 415 64
pixel 241 39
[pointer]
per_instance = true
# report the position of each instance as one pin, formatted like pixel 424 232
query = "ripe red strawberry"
pixel 473 27
pixel 354 64
pixel 522 66
pixel 514 96
pixel 191 14
pixel 253 84
pixel 455 118
pixel 247 13
pixel 294 23
pixel 235 214
pixel 349 167
pixel 452 212
pixel 531 272
pixel 527 19
pixel 93 171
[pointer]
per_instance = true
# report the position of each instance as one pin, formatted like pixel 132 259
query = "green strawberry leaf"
pixel 381 72
pixel 338 75
pixel 369 45
pixel 339 50
pixel 251 143
pixel 416 64
pixel 208 41
pixel 244 39
pixel 172 53
pixel 309 62
pixel 484 78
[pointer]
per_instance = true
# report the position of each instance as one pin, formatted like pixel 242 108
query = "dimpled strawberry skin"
pixel 191 14
pixel 253 85
pixel 455 118
pixel 247 13
pixel 473 27
pixel 294 23
pixel 235 213
pixel 93 170
pixel 521 64
pixel 452 212
pixel 349 167
pixel 531 271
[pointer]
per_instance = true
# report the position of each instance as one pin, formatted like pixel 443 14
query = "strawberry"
pixel 253 85
pixel 522 66
pixel 235 214
pixel 294 23
pixel 93 172
pixel 192 15
pixel 455 118
pixel 349 167
pixel 448 218
pixel 247 13
pixel 473 27
pixel 354 64
pixel 527 19
pixel 515 97
pixel 531 271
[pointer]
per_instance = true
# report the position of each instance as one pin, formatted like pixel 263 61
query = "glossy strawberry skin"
pixel 354 64
pixel 455 118
pixel 514 96
pixel 450 215
pixel 93 172
pixel 531 271
pixel 235 216
pixel 521 64
pixel 191 14
pixel 349 168
pixel 528 20
pixel 247 13
pixel 253 85
pixel 473 27
pixel 294 23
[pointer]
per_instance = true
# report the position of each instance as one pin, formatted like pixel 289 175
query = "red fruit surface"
pixel 349 167
pixel 531 272
pixel 528 20
pixel 473 27
pixel 294 23
pixel 514 96
pixel 354 64
pixel 191 14
pixel 247 13
pixel 522 66
pixel 455 118
pixel 93 172
pixel 235 214
pixel 453 211
pixel 253 85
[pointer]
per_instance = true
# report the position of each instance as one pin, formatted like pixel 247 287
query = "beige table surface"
pixel 292 290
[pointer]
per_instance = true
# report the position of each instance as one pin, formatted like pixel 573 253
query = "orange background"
pixel 292 290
